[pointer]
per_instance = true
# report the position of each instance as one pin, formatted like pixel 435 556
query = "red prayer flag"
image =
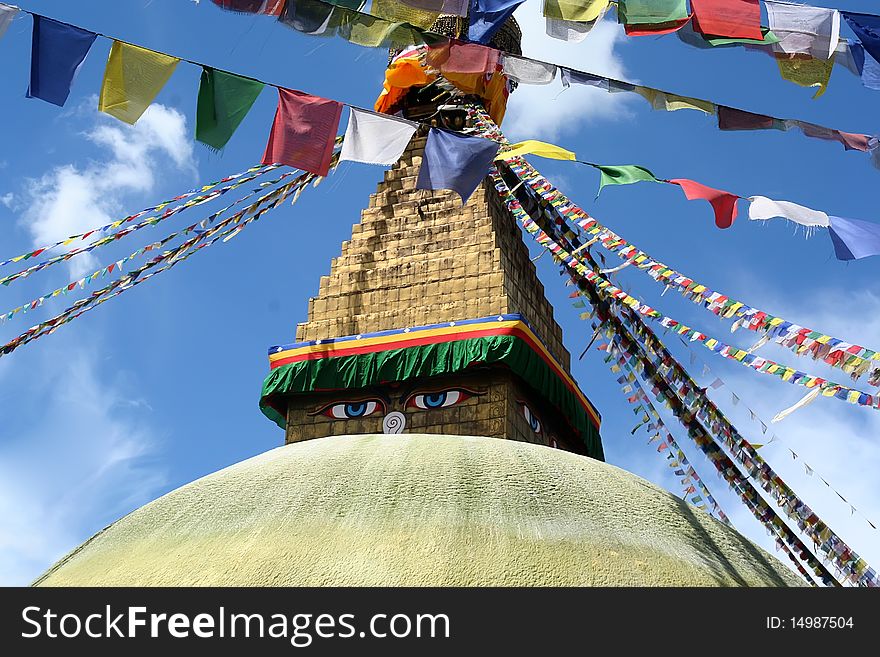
pixel 724 203
pixel 734 19
pixel 303 132
pixel 461 57
pixel 734 119
pixel 648 29
pixel 855 142
pixel 850 141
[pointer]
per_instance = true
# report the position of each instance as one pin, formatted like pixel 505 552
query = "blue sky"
pixel 160 386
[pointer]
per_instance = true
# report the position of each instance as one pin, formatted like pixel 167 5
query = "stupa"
pixel 434 433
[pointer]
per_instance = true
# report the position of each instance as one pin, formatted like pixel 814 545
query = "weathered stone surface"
pixel 419 258
pixel 418 510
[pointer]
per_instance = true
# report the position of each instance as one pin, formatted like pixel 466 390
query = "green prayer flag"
pixel 224 101
pixel 769 39
pixel 651 12
pixel 625 174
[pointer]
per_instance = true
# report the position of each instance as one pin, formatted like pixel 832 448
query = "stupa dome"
pixel 418 509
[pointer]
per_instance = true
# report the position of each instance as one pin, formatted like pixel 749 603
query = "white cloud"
pixel 78 465
pixel 72 198
pixel 8 199
pixel 80 461
pixel 544 112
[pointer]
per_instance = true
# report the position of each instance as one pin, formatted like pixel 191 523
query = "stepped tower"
pixel 419 263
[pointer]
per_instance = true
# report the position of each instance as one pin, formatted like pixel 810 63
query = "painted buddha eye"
pixel 531 418
pixel 438 399
pixel 353 410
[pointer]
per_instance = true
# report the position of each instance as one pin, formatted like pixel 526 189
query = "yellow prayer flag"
pixel 133 78
pixel 397 12
pixel 539 148
pixel 806 71
pixel 575 10
pixel 665 102
pixel 674 103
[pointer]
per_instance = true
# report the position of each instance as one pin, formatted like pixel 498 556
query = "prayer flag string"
pixel 308 23
pixel 108 269
pixel 224 231
pixel 809 470
pixel 259 170
pixel 115 236
pixel 701 436
pixel 848 562
pixel 726 468
pixel 853 359
pixel 678 461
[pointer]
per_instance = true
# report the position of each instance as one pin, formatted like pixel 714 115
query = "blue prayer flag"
pixel 854 238
pixel 486 16
pixel 867 29
pixel 57 51
pixel 455 162
pixel 870 72
pixel 570 77
pixel 868 67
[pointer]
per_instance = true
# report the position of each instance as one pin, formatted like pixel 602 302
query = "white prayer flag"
pixel 809 398
pixel 802 29
pixel 527 71
pixel 763 208
pixel 571 31
pixel 7 14
pixel 375 138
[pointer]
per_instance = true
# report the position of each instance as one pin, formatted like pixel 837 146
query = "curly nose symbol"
pixel 394 422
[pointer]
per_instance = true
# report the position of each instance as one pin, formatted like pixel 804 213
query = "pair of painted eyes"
pixel 423 400
pixel 531 418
